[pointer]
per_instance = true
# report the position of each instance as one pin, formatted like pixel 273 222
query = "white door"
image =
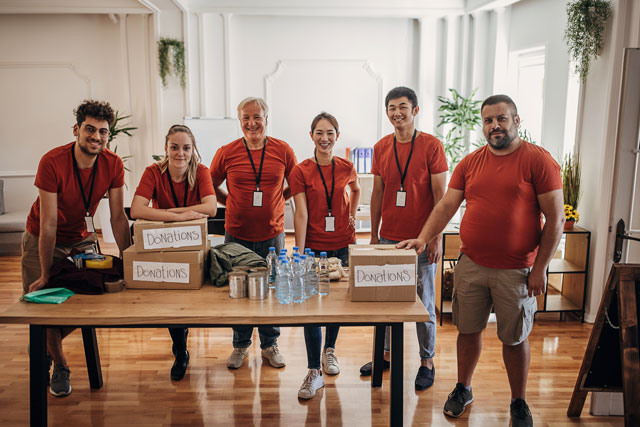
pixel 626 198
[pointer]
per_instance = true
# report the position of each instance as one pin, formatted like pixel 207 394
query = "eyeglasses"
pixel 103 132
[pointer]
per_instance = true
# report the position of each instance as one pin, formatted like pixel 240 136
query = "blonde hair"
pixel 251 100
pixel 192 169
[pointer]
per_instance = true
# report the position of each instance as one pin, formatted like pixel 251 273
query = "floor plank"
pixel 137 389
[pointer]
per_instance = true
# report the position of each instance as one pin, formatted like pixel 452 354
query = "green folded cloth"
pixel 48 296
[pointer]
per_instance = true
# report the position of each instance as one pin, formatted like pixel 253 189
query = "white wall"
pixel 524 34
pixel 47 67
pixel 303 65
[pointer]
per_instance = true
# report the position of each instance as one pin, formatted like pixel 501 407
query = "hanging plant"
pixel 586 21
pixel 177 61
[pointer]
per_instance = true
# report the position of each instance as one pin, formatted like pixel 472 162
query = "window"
pixel 526 69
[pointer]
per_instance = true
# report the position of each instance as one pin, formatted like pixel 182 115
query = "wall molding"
pixel 366 65
pixel 52 64
pixel 18 174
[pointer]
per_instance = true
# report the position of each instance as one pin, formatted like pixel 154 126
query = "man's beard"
pixel 501 143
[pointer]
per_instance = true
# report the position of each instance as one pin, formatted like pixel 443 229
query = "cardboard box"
pixel 382 273
pixel 156 236
pixel 164 270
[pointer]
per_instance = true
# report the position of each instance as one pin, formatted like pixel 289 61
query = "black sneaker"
pixel 520 414
pixel 60 385
pixel 458 399
pixel 425 377
pixel 367 368
pixel 180 365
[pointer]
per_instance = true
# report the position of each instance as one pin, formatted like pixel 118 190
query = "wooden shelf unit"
pixel 567 275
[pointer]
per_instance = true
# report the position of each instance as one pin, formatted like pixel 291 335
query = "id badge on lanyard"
pixel 257 198
pixel 329 223
pixel 88 220
pixel 401 198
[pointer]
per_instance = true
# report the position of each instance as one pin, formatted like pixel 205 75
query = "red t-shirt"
pixel 305 178
pixel 155 186
pixel 502 225
pixel 242 219
pixel 55 175
pixel 400 223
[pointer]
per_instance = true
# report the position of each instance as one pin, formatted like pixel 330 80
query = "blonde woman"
pixel 180 189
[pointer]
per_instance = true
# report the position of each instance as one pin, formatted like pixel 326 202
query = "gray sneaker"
pixel 458 399
pixel 60 386
pixel 273 356
pixel 520 414
pixel 236 359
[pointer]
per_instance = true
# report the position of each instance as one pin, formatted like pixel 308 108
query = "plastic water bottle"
pixel 305 277
pixel 313 273
pixel 297 288
pixel 271 267
pixel 283 282
pixel 323 274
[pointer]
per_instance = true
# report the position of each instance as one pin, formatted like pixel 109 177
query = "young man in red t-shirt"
pixel 505 250
pixel 71 181
pixel 409 169
pixel 254 168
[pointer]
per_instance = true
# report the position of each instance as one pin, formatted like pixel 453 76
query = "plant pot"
pixel 568 225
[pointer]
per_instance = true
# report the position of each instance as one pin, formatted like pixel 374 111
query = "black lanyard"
pixel 173 192
pixel 324 183
pixel 258 174
pixel 403 175
pixel 85 200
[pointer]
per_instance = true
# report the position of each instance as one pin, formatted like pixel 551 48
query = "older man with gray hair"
pixel 255 167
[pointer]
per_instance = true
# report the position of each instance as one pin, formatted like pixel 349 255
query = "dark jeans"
pixel 179 338
pixel 313 341
pixel 268 334
pixel 342 254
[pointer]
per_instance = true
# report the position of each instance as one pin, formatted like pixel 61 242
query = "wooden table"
pixel 208 307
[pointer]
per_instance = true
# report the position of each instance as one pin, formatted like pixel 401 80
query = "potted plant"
pixel 175 64
pixel 458 115
pixel 571 189
pixel 586 22
pixel 116 128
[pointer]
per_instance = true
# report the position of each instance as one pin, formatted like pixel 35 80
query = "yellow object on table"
pixel 107 262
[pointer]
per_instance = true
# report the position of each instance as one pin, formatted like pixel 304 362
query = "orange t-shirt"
pixel 55 175
pixel 400 223
pixel 305 178
pixel 242 219
pixel 155 186
pixel 502 225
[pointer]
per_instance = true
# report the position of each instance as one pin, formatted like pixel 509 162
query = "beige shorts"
pixel 31 260
pixel 476 289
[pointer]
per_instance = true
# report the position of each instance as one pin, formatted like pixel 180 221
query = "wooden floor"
pixel 138 391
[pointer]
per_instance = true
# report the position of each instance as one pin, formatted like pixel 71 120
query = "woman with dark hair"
pixel 324 221
pixel 181 190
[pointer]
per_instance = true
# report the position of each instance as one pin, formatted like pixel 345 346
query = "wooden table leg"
pixel 38 375
pixel 378 356
pixel 93 357
pixel 397 369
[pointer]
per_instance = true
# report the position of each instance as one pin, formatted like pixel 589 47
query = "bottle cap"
pixel 323 253
pixel 272 248
pixel 312 254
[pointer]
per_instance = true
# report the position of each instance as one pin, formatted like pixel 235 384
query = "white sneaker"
pixel 330 362
pixel 311 384
pixel 237 357
pixel 273 356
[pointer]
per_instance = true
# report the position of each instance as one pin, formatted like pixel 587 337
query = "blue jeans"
pixel 268 334
pixel 342 254
pixel 313 341
pixel 426 291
